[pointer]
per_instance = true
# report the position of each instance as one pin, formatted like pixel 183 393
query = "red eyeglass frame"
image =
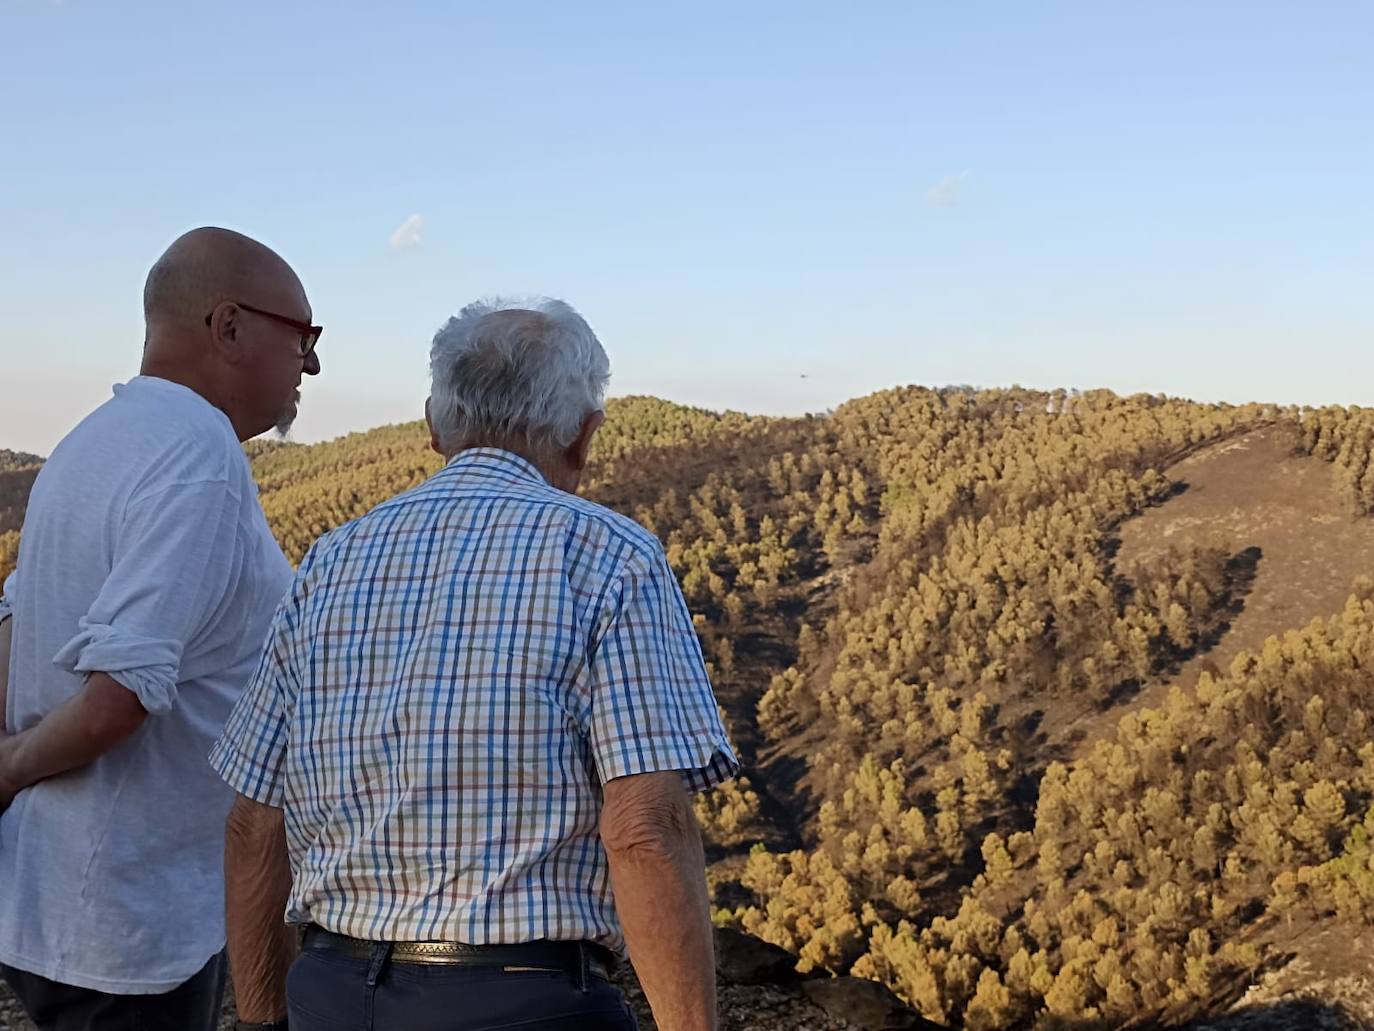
pixel 310 335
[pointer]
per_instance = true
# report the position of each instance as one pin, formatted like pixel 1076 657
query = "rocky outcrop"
pixel 743 959
pixel 865 1004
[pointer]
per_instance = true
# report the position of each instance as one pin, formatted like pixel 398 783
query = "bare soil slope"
pixel 1253 492
pixel 1295 538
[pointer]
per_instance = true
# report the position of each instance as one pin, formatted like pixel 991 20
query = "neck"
pixel 191 379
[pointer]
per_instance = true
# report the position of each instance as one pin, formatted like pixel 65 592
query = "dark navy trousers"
pixel 193 1006
pixel 335 993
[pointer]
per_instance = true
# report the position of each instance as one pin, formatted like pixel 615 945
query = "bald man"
pixel 146 581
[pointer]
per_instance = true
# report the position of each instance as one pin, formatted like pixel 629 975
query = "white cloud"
pixel 946 193
pixel 407 234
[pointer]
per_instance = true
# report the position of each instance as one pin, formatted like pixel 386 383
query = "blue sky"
pixel 772 207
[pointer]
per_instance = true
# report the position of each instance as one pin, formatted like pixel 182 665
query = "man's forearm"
pixel 80 730
pixel 257 885
pixel 661 899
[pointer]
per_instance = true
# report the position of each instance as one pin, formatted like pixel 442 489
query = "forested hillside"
pixel 17 472
pixel 975 770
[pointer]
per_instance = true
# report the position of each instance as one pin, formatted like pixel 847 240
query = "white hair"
pixel 507 370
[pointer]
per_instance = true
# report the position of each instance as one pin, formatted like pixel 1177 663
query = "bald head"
pixel 209 265
pixel 223 316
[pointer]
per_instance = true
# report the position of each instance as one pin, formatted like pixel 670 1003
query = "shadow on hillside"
pixel 1286 1015
pixel 1240 573
pixel 1242 569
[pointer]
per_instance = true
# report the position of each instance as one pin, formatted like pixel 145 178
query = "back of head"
pixel 515 373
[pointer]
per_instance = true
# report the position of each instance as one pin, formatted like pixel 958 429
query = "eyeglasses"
pixel 310 335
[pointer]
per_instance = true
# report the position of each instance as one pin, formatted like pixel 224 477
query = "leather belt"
pixel 572 957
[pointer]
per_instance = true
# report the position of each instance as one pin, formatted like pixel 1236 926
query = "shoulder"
pixel 334 549
pixel 320 554
pixel 616 546
pixel 638 541
pixel 145 441
pixel 179 436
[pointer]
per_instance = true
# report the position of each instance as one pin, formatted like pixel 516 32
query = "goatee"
pixel 288 417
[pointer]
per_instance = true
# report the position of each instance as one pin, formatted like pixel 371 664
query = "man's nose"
pixel 312 364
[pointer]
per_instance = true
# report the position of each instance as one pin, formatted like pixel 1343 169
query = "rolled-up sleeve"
pixel 651 704
pixel 173 562
pixel 250 753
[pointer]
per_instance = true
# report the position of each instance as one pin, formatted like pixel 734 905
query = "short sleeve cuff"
pixel 722 767
pixel 245 775
pixel 147 666
pixel 703 761
pixel 6 609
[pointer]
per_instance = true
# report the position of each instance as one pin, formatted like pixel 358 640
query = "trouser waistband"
pixel 574 957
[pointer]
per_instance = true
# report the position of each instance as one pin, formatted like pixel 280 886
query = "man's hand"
pixel 658 878
pixel 257 885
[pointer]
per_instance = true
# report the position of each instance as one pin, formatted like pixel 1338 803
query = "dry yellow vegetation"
pixel 909 605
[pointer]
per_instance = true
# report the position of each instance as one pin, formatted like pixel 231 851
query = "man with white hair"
pixel 482 708
pixel 147 578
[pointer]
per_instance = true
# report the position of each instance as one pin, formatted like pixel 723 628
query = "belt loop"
pixel 381 952
pixel 584 968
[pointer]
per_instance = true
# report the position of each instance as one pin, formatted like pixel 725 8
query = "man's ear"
pixel 226 335
pixel 580 449
pixel 433 433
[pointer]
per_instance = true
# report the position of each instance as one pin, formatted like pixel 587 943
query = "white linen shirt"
pixel 144 555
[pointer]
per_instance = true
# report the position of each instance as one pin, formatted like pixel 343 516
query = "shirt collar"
pixel 156 385
pixel 498 461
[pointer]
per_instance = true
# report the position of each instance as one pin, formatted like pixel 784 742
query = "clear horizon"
pixel 773 209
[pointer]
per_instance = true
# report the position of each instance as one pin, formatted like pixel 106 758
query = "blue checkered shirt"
pixel 443 693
